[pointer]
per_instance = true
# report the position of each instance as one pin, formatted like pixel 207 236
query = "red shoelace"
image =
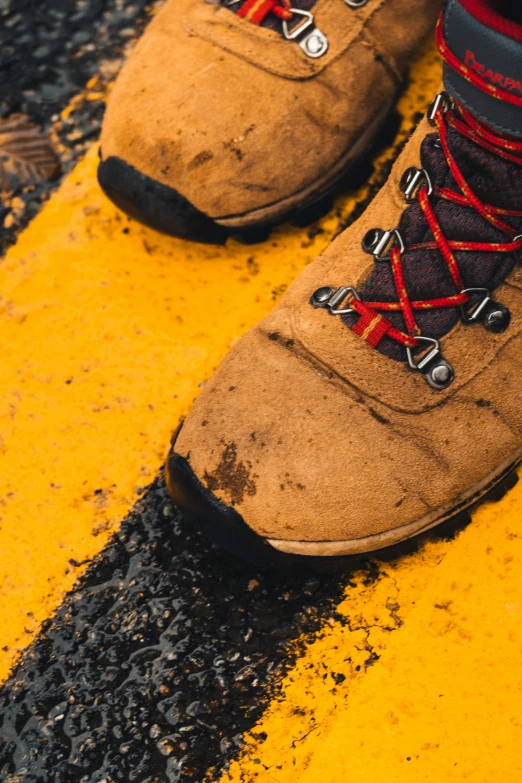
pixel 373 326
pixel 256 10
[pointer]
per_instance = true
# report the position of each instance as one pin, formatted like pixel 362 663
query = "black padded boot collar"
pixel 495 57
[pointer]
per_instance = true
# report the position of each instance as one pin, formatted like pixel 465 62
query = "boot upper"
pixel 236 118
pixel 313 435
pixel 326 428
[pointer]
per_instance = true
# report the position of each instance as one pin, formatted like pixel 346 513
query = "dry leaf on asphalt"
pixel 26 154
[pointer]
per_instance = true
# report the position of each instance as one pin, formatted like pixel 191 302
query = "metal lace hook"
pixel 380 243
pixel 436 370
pixel 493 315
pixel 412 181
pixel 331 298
pixel 315 43
pixel 442 99
pixel 471 318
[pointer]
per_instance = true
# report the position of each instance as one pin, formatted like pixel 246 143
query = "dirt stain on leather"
pixel 200 159
pixel 232 476
pixel 288 342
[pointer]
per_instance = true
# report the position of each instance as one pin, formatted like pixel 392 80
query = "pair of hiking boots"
pixel 380 397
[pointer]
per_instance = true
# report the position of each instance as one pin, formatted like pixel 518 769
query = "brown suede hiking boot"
pixel 231 116
pixel 381 396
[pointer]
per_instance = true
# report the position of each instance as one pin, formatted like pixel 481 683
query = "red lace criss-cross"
pixel 372 326
pixel 474 303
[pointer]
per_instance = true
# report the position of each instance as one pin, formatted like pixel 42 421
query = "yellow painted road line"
pixel 444 701
pixel 107 329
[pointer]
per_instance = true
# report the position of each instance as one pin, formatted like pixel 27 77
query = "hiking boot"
pixel 382 394
pixel 230 116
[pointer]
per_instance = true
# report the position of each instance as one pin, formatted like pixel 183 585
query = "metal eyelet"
pixel 412 181
pixel 356 3
pixel 436 370
pixel 497 318
pixel 315 43
pixel 493 315
pixel 442 99
pixel 330 298
pixel 379 243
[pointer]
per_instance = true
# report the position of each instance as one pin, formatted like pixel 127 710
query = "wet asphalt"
pixel 164 654
pixel 49 52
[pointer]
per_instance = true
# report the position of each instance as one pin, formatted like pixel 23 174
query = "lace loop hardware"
pixel 380 243
pixel 436 370
pixel 413 180
pixel 494 316
pixel 474 315
pixel 475 305
pixel 434 351
pixel 331 298
pixel 314 43
pixel 443 103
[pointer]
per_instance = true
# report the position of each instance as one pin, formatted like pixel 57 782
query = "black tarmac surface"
pixel 49 52
pixel 166 652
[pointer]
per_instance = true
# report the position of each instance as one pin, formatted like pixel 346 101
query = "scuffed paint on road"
pixel 444 698
pixel 159 660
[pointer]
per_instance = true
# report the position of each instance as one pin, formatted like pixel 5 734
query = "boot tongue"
pixel 490 45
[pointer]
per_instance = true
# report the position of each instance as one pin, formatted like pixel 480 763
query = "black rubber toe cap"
pixel 217 521
pixel 222 525
pixel 156 205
